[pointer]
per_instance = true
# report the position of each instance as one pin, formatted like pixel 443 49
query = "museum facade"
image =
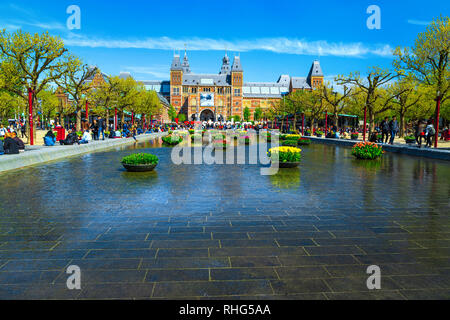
pixel 220 96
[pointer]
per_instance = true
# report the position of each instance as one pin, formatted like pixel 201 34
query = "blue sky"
pixel 273 37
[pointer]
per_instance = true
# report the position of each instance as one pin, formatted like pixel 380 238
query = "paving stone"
pixel 243 274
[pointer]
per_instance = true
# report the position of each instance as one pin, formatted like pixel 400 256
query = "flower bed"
pixel 172 140
pixel 410 139
pixel 285 154
pixel 290 137
pixel 367 151
pixel 220 143
pixel 289 143
pixel 244 140
pixel 140 158
pixel 304 142
pixel 354 136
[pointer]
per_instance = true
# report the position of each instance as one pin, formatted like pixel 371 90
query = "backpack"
pixel 432 131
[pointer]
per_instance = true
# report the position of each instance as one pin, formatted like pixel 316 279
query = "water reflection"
pixel 286 178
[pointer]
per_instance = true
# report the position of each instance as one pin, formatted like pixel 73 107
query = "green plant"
pixel 196 137
pixel 354 136
pixel 285 154
pixel 319 132
pixel 304 141
pixel 367 150
pixel 289 143
pixel 410 138
pixel 172 140
pixel 140 158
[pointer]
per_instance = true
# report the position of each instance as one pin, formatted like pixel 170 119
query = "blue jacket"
pixel 2 151
pixel 49 141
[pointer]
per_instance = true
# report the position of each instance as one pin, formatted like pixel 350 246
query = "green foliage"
pixel 172 139
pixel 289 143
pixel 257 114
pixel 367 151
pixel 285 154
pixel 140 158
pixel 196 137
pixel 181 117
pixel 246 114
pixel 236 118
pixel 304 142
pixel 172 113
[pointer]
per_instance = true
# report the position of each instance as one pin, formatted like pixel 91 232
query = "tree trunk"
pixel 78 127
pixel 371 122
pixel 107 120
pixel 402 124
pixel 336 119
pixel 295 122
pixel 312 125
pixel 122 119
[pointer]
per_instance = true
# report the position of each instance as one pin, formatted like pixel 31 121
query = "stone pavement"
pixel 226 232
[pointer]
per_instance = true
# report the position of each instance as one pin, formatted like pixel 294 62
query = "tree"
pixel 294 104
pixel 48 103
pixel 246 114
pixel 73 82
pixel 8 102
pixel 149 103
pixel 407 94
pixel 181 117
pixel 172 113
pixel 427 60
pixel 36 59
pixel 257 114
pixel 372 89
pixel 335 101
pixel 127 94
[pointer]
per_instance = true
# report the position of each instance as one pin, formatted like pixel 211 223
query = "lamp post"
pixel 438 107
pixel 303 124
pixel 87 111
pixel 30 115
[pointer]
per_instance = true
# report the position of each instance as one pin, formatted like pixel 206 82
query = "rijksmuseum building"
pixel 219 96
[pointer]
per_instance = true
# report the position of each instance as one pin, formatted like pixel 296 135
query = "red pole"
pixel 87 111
pixel 30 115
pixel 303 124
pixel 115 119
pixel 143 122
pixel 326 123
pixel 365 121
pixel 438 109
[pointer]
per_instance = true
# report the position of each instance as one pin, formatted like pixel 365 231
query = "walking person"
pixel 430 133
pixel 393 126
pixel 419 133
pixel 384 126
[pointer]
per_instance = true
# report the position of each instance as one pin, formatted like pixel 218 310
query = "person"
pixel 86 137
pixel 19 142
pixel 71 139
pixel 393 127
pixel 50 139
pixel 2 151
pixel 10 145
pixel 384 126
pixel 2 131
pixel 430 132
pixel 101 128
pixel 419 133
pixel 95 128
pixel 23 130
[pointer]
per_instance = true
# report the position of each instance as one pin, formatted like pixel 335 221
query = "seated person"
pixel 19 142
pixel 86 137
pixel 336 135
pixel 71 139
pixel 139 131
pixel 112 134
pixel 117 134
pixel 374 137
pixel 49 139
pixel 10 145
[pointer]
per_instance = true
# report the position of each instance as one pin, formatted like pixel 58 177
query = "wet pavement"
pixel 225 231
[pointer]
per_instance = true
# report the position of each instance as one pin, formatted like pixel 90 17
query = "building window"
pixel 237 92
pixel 194 90
pixel 227 90
pixel 206 89
pixel 220 90
pixel 176 91
pixel 185 89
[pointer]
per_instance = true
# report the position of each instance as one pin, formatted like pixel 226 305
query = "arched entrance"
pixel 206 115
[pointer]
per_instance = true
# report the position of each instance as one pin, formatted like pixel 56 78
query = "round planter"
pixel 139 167
pixel 288 164
pixel 318 135
pixel 410 141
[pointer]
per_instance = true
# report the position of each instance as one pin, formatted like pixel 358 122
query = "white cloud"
pixel 156 71
pixel 277 45
pixel 419 22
